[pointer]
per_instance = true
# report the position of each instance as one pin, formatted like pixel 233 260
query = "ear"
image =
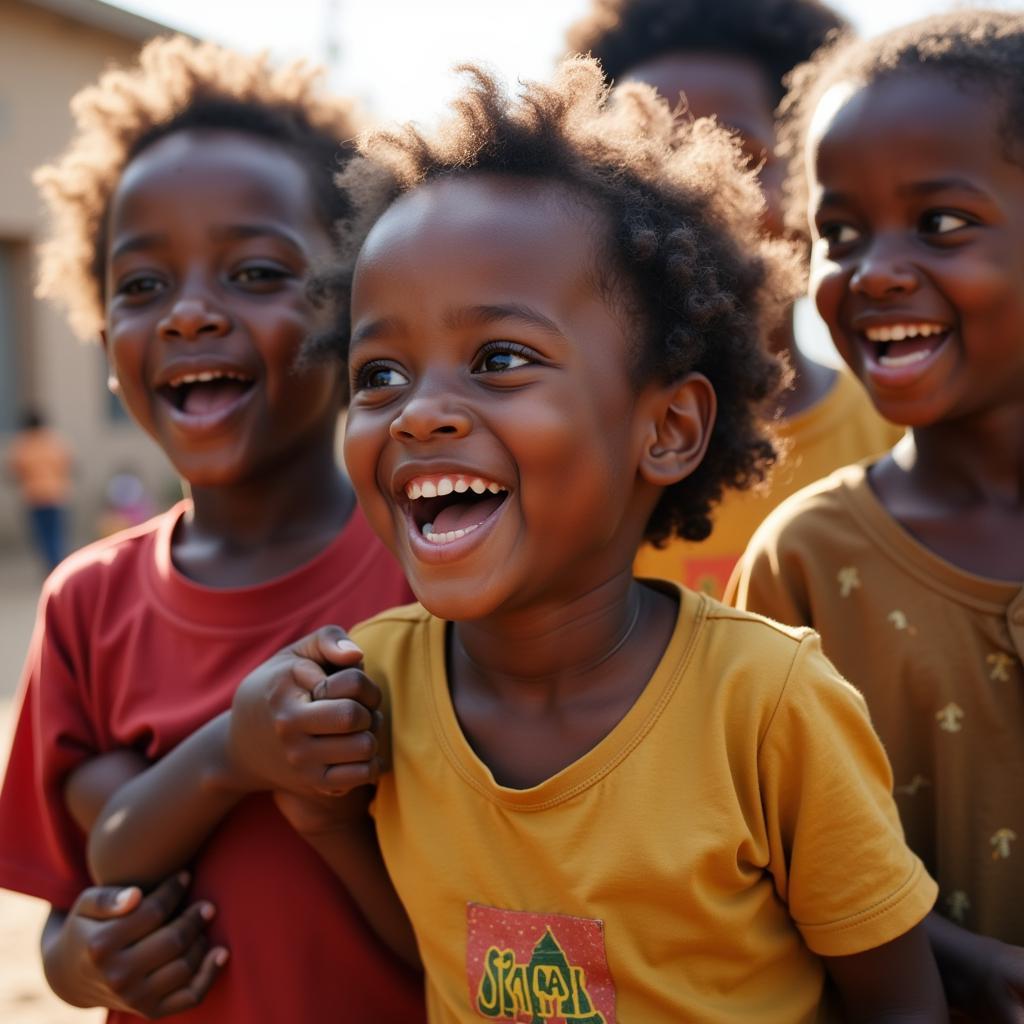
pixel 113 385
pixel 678 430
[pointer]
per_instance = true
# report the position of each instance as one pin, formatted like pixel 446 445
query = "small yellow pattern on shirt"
pixel 999 666
pixel 949 717
pixel 957 905
pixel 1001 841
pixel 849 580
pixel 911 788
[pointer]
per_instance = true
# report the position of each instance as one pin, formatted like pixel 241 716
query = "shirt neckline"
pixel 242 609
pixel 938 573
pixel 601 759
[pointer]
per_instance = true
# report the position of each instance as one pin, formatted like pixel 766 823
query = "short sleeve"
pixel 42 850
pixel 837 851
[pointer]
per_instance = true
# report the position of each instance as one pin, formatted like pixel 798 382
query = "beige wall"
pixel 44 60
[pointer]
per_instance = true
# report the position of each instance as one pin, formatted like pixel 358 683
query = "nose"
pixel 430 415
pixel 193 317
pixel 883 271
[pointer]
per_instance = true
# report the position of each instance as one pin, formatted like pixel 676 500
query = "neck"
pixel 301 497
pixel 558 647
pixel 810 381
pixel 968 462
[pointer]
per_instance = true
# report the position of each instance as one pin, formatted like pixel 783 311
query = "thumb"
pixel 103 902
pixel 329 646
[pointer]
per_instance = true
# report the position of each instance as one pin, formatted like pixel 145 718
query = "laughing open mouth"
pixel 445 508
pixel 207 392
pixel 898 345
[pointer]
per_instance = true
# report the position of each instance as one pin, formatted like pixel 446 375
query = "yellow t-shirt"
pixel 939 655
pixel 842 428
pixel 738 818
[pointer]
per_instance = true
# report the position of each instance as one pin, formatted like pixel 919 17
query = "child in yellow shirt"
pixel 607 800
pixel 728 60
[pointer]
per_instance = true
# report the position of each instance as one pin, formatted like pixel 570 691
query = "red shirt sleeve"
pixel 42 850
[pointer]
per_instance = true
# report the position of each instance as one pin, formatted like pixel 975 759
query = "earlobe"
pixel 679 430
pixel 113 385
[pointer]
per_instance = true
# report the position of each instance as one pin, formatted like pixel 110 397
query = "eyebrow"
pixel 927 188
pixel 489 314
pixel 469 316
pixel 915 190
pixel 228 233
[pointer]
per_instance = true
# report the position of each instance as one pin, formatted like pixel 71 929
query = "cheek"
pixel 827 285
pixel 365 437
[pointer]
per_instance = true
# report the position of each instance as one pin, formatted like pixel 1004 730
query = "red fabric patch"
pixel 708 575
pixel 537 968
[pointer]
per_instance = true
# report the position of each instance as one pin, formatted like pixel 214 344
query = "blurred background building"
pixel 49 49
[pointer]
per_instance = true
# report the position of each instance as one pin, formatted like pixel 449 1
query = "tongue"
pixel 460 515
pixel 920 347
pixel 204 399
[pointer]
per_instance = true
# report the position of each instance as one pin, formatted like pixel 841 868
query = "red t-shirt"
pixel 129 653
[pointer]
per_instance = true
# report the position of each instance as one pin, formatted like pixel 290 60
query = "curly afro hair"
pixel 682 248
pixel 776 35
pixel 177 84
pixel 981 50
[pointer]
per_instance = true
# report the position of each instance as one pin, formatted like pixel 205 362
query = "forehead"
pixel 480 238
pixel 214 174
pixel 733 88
pixel 909 126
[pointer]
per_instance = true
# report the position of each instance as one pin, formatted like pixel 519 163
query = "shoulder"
pixel 93 568
pixel 736 642
pixel 826 506
pixel 390 626
pixel 765 667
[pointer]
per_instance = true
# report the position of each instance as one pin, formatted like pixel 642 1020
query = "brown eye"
pixel 938 222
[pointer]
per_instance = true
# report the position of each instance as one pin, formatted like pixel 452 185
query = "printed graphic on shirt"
pixel 537 968
pixel 709 575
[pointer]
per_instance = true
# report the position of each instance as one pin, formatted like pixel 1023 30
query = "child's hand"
pixel 120 950
pixel 300 725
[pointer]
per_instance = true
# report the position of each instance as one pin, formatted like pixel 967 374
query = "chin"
pixel 457 601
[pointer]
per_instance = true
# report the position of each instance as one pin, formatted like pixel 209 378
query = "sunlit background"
pixel 396 55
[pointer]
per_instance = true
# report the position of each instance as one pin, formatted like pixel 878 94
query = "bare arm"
pixel 343 833
pixel 897 983
pixel 277 736
pixel 984 978
pixel 155 822
pixel 116 948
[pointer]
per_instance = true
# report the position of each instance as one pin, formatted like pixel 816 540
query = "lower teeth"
pixel 444 538
pixel 907 360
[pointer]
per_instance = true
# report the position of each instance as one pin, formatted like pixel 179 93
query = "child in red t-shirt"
pixel 194 197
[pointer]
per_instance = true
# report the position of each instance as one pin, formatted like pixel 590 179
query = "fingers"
pixel 188 990
pixel 174 940
pixel 152 911
pixel 335 718
pixel 349 684
pixel 329 646
pixel 103 902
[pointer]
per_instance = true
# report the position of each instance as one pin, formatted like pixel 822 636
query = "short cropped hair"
pixel 776 35
pixel 982 50
pixel 682 254
pixel 177 84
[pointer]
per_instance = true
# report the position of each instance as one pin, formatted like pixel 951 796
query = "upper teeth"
pixel 438 487
pixel 898 332
pixel 204 376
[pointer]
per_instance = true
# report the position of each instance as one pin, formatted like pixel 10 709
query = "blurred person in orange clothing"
pixel 40 462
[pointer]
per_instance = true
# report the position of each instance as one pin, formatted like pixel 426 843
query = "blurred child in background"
pixel 728 59
pixel 40 463
pixel 910 565
pixel 195 196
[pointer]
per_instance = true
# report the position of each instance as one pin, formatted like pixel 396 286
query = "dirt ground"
pixel 24 996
